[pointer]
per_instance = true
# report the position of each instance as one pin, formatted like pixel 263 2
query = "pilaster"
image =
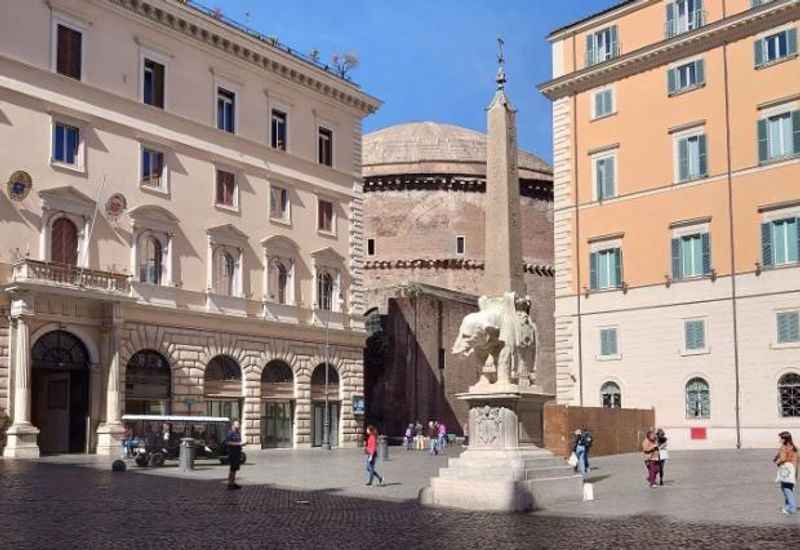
pixel 110 432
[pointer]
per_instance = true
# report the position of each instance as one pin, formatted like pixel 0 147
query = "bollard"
pixel 186 458
pixel 383 447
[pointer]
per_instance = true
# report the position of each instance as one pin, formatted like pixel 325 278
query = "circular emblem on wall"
pixel 116 206
pixel 19 185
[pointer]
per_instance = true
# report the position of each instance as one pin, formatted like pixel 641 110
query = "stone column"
pixel 22 434
pixel 110 432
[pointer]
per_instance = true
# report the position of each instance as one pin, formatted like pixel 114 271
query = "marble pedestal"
pixel 109 439
pixel 496 473
pixel 21 441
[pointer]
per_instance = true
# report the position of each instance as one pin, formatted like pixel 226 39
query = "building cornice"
pixel 178 17
pixel 718 33
pixel 542 270
pixel 536 189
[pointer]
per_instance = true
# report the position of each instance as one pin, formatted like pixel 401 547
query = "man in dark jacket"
pixel 233 442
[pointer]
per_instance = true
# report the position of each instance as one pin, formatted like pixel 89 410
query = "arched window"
pixel 223 387
pixel 279 282
pixel 64 242
pixel 611 396
pixel 147 384
pixel 277 381
pixel 318 376
pixel 698 399
pixel 59 350
pixel 789 395
pixel 150 261
pixel 226 274
pixel 325 291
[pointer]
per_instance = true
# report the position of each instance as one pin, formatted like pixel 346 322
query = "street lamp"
pixel 326 423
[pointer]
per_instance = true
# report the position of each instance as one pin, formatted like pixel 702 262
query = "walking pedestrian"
pixel 371 450
pixel 442 435
pixel 419 439
pixel 433 435
pixel 786 460
pixel 588 439
pixel 408 438
pixel 579 448
pixel 651 460
pixel 233 442
pixel 663 454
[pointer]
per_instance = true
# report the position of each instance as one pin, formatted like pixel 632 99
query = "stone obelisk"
pixel 503 232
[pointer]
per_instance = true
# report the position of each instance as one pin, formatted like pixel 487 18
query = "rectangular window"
pixel 370 247
pixel 691 256
pixel 69 51
pixel 779 136
pixel 226 110
pixel 779 242
pixel 605 269
pixel 325 146
pixel 461 245
pixel 692 158
pixel 684 16
pixel 603 103
pixel 279 130
pixel 695 334
pixel 775 47
pixel 152 168
pixel 605 177
pixel 788 327
pixel 226 188
pixel 66 143
pixel 153 82
pixel 325 216
pixel 602 45
pixel 686 77
pixel 278 203
pixel 608 342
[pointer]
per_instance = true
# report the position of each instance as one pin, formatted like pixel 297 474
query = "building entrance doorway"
pixel 277 425
pixel 318 422
pixel 60 393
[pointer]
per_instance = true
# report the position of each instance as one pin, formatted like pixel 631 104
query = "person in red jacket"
pixel 371 450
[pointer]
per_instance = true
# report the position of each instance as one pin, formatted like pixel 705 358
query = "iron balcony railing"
pixel 685 23
pixel 70 276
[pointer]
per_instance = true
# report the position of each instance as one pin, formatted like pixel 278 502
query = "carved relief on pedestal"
pixel 489 423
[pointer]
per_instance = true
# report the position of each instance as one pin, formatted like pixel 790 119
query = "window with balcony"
pixel 686 77
pixel 775 47
pixel 69 51
pixel 226 189
pixel 279 130
pixel 279 207
pixel 601 46
pixel 779 242
pixel 225 271
pixel 153 170
pixel 226 110
pixel 788 323
pixel 325 291
pixel 279 277
pixel 691 256
pixel 692 161
pixel 325 146
pixel 151 260
pixel 605 269
pixel 325 218
pixel 684 16
pixel 779 136
pixel 153 83
pixel 602 103
pixel 66 144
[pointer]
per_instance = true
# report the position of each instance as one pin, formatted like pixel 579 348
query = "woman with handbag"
pixel 663 454
pixel 371 450
pixel 786 460
pixel 651 457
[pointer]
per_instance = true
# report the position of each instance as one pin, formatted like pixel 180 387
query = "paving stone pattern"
pixel 310 499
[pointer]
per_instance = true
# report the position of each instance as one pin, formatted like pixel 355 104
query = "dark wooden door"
pixel 64 242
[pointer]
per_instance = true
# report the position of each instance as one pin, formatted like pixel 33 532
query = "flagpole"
pixel 94 220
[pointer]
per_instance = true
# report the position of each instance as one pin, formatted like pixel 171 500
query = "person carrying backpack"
pixel 586 435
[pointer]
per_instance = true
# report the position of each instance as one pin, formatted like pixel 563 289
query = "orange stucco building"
pixel 676 200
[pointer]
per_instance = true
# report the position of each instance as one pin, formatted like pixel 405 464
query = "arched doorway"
pixel 277 405
pixel 148 382
pixel 318 405
pixel 223 388
pixel 60 397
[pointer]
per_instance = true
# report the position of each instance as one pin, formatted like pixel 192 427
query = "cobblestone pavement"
pixel 310 499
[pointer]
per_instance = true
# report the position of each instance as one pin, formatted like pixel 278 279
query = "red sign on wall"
pixel 698 433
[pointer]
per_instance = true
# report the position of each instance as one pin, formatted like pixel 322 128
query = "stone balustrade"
pixel 69 276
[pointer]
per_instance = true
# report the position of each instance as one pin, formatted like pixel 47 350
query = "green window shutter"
pixel 700 71
pixel 610 178
pixel 605 342
pixel 598 104
pixel 614 42
pixel 791 41
pixel 612 341
pixel 758 47
pixel 600 174
pixel 683 159
pixel 703 160
pixel 706 244
pixel 788 327
pixel 763 149
pixel 766 243
pixel 590 48
pixel 593 270
pixel 670 19
pixel 608 104
pixel 676 259
pixel 672 81
pixel 796 132
pixel 617 267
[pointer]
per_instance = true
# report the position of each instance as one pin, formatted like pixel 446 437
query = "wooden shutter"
pixel 763 144
pixel 677 274
pixel 670 19
pixel 617 267
pixel 705 239
pixel 683 159
pixel 614 42
pixel 758 48
pixel 700 71
pixel 590 49
pixel 703 155
pixel 672 81
pixel 158 85
pixel 68 55
pixel 788 327
pixel 610 178
pixel 598 104
pixel 600 174
pixel 791 42
pixel 796 132
pixel 766 244
pixel 64 242
pixel 593 259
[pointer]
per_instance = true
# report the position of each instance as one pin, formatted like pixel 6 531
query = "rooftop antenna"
pixel 501 61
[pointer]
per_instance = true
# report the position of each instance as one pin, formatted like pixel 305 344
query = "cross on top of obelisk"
pixel 501 60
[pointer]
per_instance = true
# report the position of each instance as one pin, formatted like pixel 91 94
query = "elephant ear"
pixel 490 330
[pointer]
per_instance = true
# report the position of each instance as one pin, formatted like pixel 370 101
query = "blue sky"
pixel 430 60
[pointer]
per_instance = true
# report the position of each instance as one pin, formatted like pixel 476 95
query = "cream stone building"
pixel 181 228
pixel 676 165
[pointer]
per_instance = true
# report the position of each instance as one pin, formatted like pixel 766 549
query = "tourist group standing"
pixel 434 438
